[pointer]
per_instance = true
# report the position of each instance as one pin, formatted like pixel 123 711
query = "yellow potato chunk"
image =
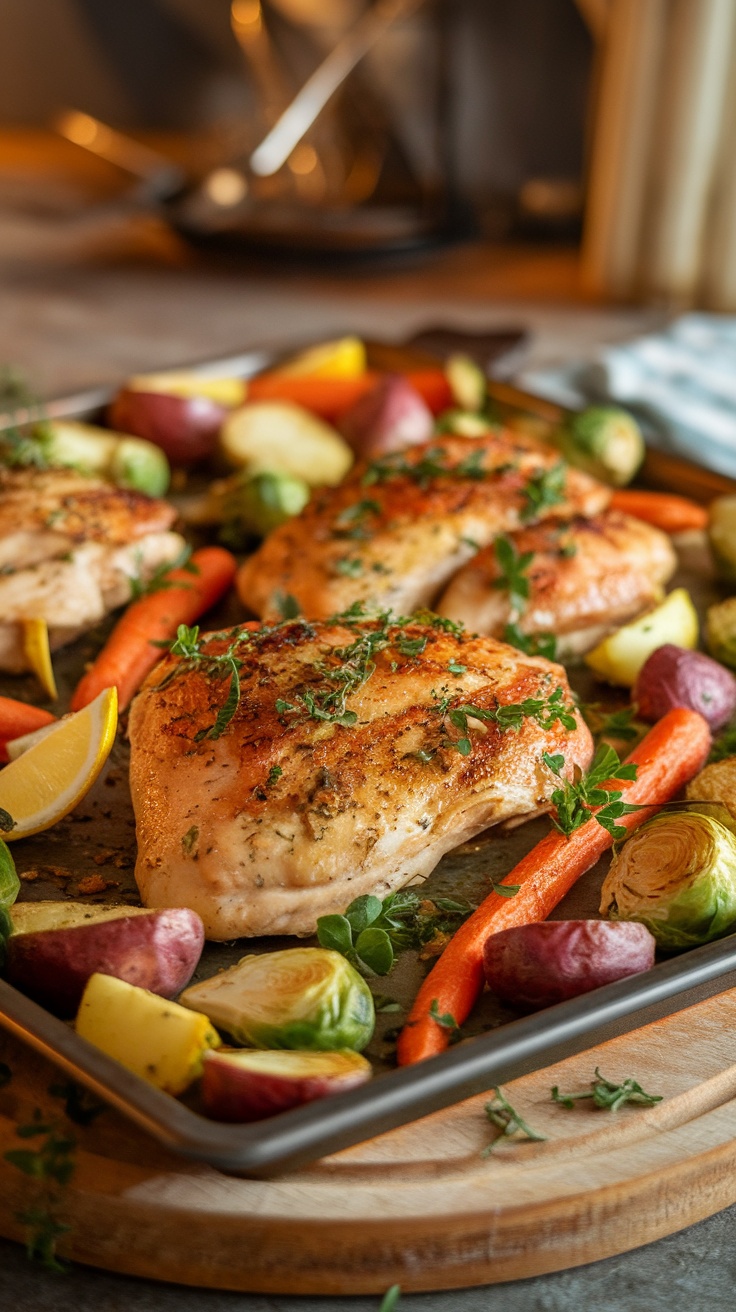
pixel 619 657
pixel 160 1041
pixel 343 358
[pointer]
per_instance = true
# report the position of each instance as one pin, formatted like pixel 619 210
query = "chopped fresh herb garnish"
pixel 25 443
pixel 471 542
pixel 724 745
pixel 351 522
pixel 372 932
pixel 349 566
pixel 159 579
pixel 432 464
pixel 274 775
pixel 456 668
pixel 575 802
pixel 189 840
pixel 513 578
pixel 545 710
pixel 410 646
pixel 444 1019
pixel 532 644
pixel 506 890
pixel 607 1095
pixel 506 1119
pixel 286 605
pixel 544 490
pixel 51 1163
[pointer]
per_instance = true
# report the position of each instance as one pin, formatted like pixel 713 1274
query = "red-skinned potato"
pixel 390 416
pixel 537 965
pixel 251 1085
pixel 673 676
pixel 185 427
pixel 156 950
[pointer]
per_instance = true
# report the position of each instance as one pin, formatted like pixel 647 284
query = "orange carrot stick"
pixel 663 510
pixel 130 652
pixel 18 718
pixel 672 752
pixel 331 397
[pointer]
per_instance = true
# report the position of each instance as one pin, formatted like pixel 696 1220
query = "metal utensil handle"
pixel 298 117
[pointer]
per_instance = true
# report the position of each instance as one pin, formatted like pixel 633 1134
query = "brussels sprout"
pixel 247 505
pixel 722 535
pixel 604 441
pixel 676 874
pixel 720 632
pixel 304 998
pixel 128 461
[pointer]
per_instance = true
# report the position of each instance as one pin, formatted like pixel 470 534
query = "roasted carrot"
pixel 331 397
pixel 668 757
pixel 130 652
pixel 663 510
pixel 17 718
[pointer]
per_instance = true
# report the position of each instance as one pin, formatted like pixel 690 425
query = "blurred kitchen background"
pixel 568 151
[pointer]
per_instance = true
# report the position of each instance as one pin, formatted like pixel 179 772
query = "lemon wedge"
pixel 51 777
pixel 344 358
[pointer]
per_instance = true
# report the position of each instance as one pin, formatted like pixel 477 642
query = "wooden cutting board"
pixel 421 1206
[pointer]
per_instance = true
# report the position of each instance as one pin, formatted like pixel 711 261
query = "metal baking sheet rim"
pixel 294 1138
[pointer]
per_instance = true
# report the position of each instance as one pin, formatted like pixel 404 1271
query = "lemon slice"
pixel 47 781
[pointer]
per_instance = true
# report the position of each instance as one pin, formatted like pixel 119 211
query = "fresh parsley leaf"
pixel 543 490
pixel 455 667
pixel 588 796
pixel 513 577
pixel 506 1119
pixel 607 1095
pixel 390 1299
pixel 273 776
pixel 286 605
pixel 372 932
pixel 350 567
pixel 433 463
pixel 615 724
pixel 444 1019
pixel 506 890
pixel 532 644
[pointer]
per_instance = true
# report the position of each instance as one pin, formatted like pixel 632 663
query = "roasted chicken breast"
pixel 578 579
pixel 396 530
pixel 352 756
pixel 69 547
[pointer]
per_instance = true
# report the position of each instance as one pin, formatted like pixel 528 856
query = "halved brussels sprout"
pixel 604 441
pixel 676 874
pixel 304 998
pixel 720 632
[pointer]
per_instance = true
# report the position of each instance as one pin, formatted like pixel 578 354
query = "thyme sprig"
pixel 22 444
pixel 188 646
pixel 546 711
pixel 159 580
pixel 532 644
pixel 506 1119
pixel 576 801
pixel 607 1095
pixel 52 1163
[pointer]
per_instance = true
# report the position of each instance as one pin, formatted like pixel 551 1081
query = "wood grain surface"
pixel 421 1206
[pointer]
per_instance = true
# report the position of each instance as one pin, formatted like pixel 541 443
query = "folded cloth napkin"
pixel 680 383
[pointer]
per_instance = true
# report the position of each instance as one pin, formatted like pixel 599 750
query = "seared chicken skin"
pixel 396 530
pixel 577 579
pixel 359 752
pixel 69 547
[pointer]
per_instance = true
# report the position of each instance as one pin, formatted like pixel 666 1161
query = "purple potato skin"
pixel 674 676
pixel 231 1093
pixel 157 952
pixel 537 965
pixel 185 427
pixel 391 416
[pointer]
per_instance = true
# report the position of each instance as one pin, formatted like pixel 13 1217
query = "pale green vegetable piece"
pixel 722 535
pixel 603 440
pixel 127 461
pixel 720 632
pixel 303 998
pixel 676 874
pixel 467 383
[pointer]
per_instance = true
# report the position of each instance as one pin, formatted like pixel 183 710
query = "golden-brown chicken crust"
pixel 395 531
pixel 586 577
pixel 76 507
pixel 286 816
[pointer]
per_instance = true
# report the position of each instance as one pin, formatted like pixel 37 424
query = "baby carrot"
pixel 17 719
pixel 663 510
pixel 668 757
pixel 130 652
pixel 331 397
